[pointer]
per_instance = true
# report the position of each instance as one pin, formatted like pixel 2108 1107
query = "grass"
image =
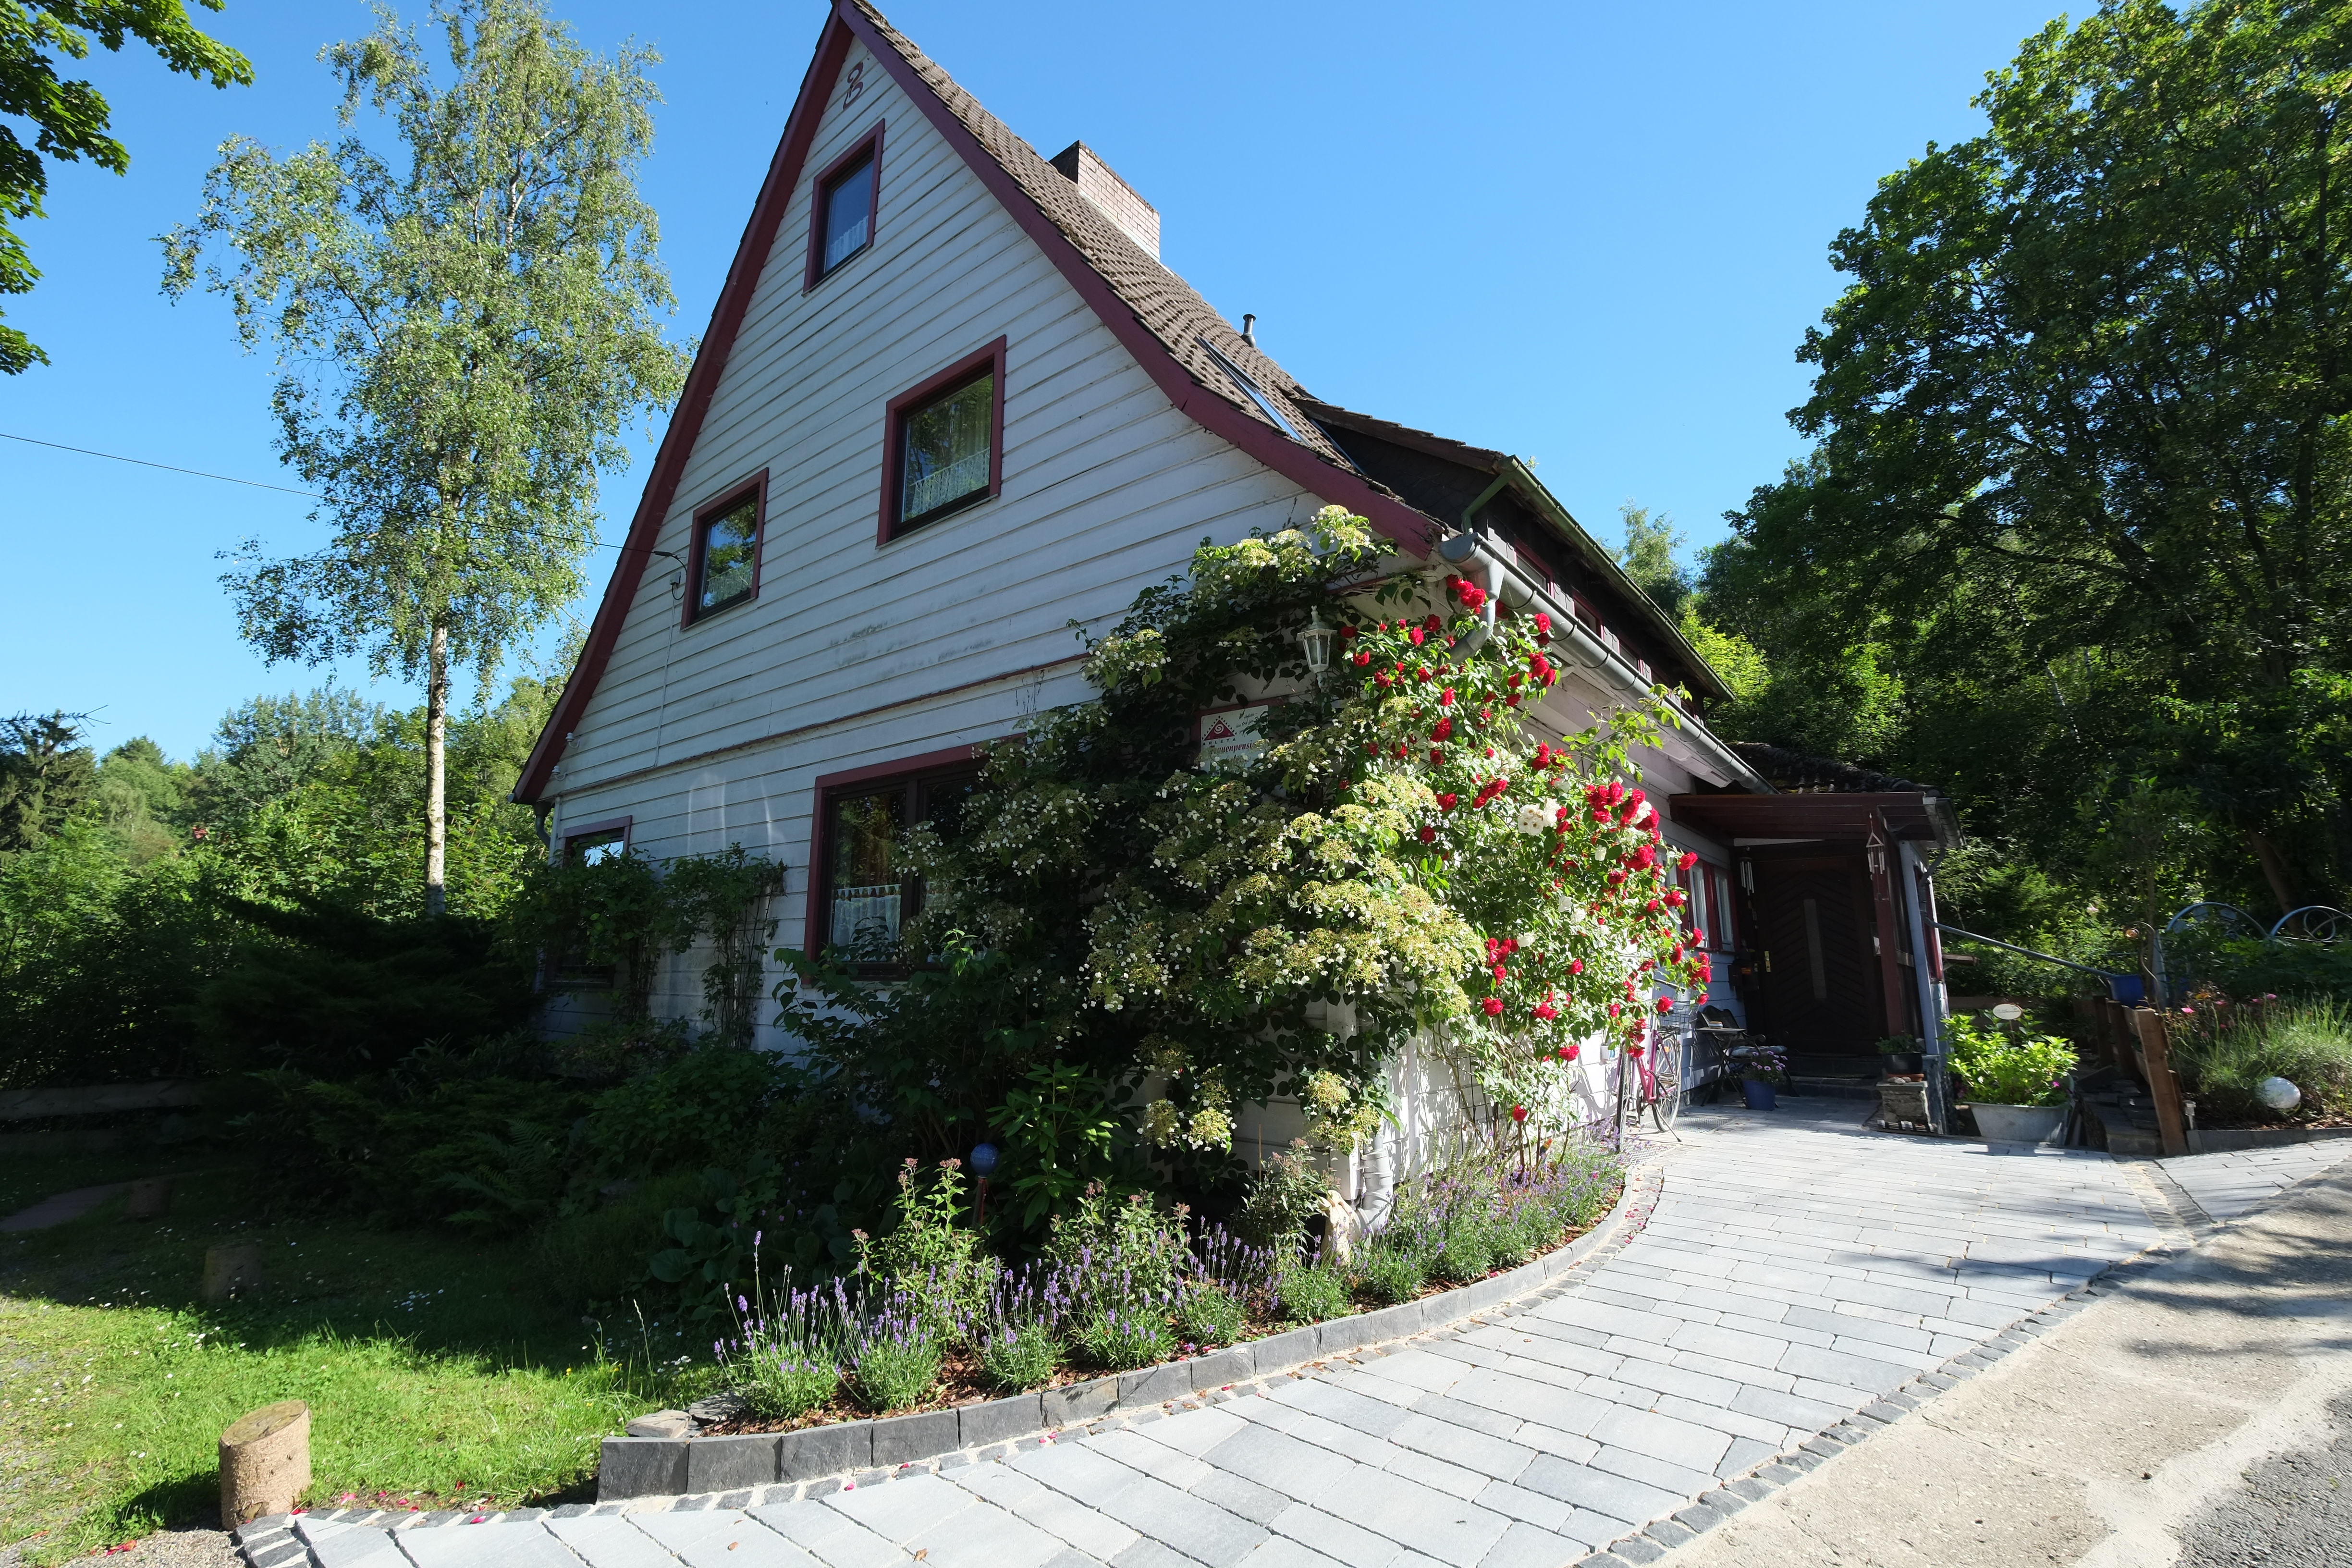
pixel 2308 1044
pixel 438 1372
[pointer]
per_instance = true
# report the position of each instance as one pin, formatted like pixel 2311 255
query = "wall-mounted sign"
pixel 1229 737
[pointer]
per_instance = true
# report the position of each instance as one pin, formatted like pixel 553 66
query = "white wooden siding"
pixel 859 653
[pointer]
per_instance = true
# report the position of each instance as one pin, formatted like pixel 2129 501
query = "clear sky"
pixel 1588 232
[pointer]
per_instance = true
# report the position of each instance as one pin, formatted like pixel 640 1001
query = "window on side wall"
pixel 843 207
pixel 568 968
pixel 723 557
pixel 945 444
pixel 862 901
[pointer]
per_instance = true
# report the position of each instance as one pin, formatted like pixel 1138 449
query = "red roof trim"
pixel 1409 527
pixel 686 423
pixel 1399 521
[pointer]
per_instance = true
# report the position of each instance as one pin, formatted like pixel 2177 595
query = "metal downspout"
pixel 1932 1055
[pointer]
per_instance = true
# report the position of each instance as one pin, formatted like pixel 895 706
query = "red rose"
pixel 1446 801
pixel 1576 966
pixel 1494 1006
pixel 1433 623
pixel 1519 1113
pixel 1445 698
pixel 1665 1004
pixel 1612 1009
pixel 1424 672
pixel 1570 1053
pixel 1417 635
pixel 1543 625
pixel 1429 836
pixel 1436 756
pixel 1547 1011
pixel 1347 634
pixel 1445 726
pixel 1689 859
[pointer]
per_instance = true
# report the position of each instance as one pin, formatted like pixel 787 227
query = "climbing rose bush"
pixel 1408 857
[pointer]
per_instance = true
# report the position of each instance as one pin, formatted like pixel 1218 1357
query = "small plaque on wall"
pixel 1229 736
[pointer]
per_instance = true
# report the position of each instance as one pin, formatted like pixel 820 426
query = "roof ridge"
pixel 1168 307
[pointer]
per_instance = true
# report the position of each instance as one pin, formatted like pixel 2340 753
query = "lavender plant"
pixel 785 1358
pixel 1210 1314
pixel 1391 1266
pixel 896 1360
pixel 1310 1292
pixel 1019 1339
pixel 1116 1336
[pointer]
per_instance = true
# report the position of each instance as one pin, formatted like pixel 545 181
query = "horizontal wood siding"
pixel 854 653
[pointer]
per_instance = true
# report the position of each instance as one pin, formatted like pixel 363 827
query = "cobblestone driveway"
pixel 1794 1269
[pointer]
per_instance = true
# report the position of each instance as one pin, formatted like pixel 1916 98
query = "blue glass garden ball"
pixel 983 1159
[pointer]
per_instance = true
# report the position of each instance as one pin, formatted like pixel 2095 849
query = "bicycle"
pixel 1655 1069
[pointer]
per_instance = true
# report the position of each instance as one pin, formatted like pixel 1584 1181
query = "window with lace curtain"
pixel 946 450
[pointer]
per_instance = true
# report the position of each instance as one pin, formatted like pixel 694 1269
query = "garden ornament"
pixel 2278 1094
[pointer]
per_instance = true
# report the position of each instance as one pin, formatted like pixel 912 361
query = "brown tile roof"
pixel 1167 306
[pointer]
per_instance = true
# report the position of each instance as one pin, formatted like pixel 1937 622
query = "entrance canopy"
pixel 1742 819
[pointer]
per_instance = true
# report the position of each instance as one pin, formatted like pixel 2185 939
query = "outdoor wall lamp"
pixel 1314 638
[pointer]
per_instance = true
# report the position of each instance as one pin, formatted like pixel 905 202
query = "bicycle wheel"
pixel 1666 1064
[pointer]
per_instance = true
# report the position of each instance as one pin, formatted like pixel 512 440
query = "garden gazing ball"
pixel 2278 1094
pixel 983 1159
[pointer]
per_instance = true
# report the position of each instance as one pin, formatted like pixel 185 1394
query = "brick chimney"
pixel 1112 196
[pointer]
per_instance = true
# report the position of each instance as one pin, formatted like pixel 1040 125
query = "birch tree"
pixel 460 342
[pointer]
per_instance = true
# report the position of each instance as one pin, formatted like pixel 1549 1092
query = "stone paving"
pixel 2229 1185
pixel 1795 1269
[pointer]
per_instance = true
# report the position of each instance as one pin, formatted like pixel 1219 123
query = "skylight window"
pixel 1266 405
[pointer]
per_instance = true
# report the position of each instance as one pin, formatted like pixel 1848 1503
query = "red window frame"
pixel 905 772
pixel 726 500
pixel 869 144
pixel 620 825
pixel 989 360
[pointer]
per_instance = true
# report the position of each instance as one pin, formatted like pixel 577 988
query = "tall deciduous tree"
pixel 71 118
pixel 461 343
pixel 2085 413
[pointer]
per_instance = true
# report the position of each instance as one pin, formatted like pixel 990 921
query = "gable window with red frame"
pixel 723 565
pixel 861 901
pixel 945 444
pixel 844 205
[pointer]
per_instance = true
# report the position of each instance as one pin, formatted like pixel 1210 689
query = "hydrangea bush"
pixel 1407 856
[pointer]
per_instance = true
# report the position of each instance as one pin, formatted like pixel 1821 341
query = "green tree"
pixel 461 345
pixel 71 118
pixel 2082 451
pixel 45 773
pixel 1648 557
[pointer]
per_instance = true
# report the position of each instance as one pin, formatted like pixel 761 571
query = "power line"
pixel 199 473
pixel 230 479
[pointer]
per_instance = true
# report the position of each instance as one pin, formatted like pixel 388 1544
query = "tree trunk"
pixel 437 772
pixel 2274 870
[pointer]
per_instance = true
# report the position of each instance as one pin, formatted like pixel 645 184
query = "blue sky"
pixel 1590 234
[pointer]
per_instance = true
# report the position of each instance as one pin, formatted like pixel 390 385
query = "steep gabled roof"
pixel 1156 315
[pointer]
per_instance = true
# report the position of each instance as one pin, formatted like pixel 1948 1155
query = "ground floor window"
pixel 861 901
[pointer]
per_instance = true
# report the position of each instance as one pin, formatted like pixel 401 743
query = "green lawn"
pixel 438 1372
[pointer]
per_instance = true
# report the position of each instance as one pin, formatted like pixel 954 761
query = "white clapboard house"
pixel 951 400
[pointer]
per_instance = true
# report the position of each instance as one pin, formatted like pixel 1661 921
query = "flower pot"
pixel 1895 1064
pixel 2019 1123
pixel 1760 1095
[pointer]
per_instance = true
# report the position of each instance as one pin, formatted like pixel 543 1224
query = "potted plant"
pixel 2016 1082
pixel 1898 1055
pixel 1761 1070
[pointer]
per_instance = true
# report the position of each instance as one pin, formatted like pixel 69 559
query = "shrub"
pixel 785 1360
pixel 2224 1063
pixel 1016 1359
pixel 897 1359
pixel 1119 1250
pixel 1391 1268
pixel 2005 1069
pixel 1284 1194
pixel 700 1110
pixel 598 1255
pixel 928 1259
pixel 1310 1292
pixel 1209 1315
pixel 1114 1337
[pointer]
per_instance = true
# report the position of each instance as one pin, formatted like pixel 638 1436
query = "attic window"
pixel 1250 388
pixel 841 223
pixel 723 557
pixel 946 443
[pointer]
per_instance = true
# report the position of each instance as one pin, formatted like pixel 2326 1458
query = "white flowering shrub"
pixel 1404 853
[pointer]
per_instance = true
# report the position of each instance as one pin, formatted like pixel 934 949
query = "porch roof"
pixel 1917 815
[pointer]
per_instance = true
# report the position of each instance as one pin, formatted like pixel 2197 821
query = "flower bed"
pixel 1453 1247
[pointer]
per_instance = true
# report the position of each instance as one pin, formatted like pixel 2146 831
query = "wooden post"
pixel 2171 1124
pixel 265 1462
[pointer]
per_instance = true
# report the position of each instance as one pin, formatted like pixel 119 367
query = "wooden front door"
pixel 1819 972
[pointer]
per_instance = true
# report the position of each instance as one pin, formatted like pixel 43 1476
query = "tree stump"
pixel 231 1270
pixel 265 1462
pixel 149 1198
